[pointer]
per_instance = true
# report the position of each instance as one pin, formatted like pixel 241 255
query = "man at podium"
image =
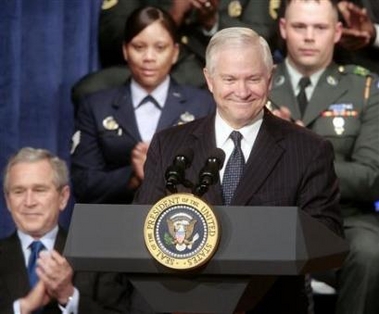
pixel 269 161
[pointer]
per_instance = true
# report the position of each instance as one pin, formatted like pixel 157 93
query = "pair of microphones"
pixel 209 174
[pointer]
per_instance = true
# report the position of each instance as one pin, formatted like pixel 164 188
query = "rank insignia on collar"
pixel 109 123
pixel 331 80
pixel 279 80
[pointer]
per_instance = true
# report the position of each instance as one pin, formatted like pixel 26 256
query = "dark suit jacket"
pixel 356 144
pixel 99 293
pixel 101 162
pixel 288 166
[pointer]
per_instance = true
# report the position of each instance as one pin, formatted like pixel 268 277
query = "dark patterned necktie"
pixel 233 169
pixel 302 96
pixel 36 247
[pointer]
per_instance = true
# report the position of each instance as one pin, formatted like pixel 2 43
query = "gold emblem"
pixel 107 4
pixel 184 40
pixel 234 8
pixel 109 123
pixel 181 231
pixel 273 8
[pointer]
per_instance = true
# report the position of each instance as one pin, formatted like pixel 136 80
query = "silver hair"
pixel 237 37
pixel 30 155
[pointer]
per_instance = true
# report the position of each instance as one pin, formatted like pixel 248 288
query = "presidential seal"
pixel 181 231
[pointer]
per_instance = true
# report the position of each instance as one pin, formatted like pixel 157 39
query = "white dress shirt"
pixel 249 135
pixel 48 241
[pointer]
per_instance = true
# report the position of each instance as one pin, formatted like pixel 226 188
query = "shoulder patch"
pixel 107 4
pixel 354 69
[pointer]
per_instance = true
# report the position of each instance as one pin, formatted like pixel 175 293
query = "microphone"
pixel 209 174
pixel 175 174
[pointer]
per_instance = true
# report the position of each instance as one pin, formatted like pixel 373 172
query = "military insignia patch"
pixel 332 80
pixel 186 117
pixel 361 71
pixel 279 80
pixel 75 141
pixel 340 110
pixel 273 8
pixel 107 4
pixel 234 8
pixel 181 231
pixel 109 123
pixel 339 123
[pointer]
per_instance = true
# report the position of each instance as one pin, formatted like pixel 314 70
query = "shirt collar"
pixel 159 93
pixel 249 132
pixel 295 76
pixel 47 239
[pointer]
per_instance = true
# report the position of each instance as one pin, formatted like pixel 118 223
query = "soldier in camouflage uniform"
pixel 343 106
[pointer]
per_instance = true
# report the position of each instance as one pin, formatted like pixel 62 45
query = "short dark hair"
pixel 142 17
pixel 333 2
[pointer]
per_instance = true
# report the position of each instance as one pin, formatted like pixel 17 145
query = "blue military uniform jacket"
pixel 107 132
pixel 344 108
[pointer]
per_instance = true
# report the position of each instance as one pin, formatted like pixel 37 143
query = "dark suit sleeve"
pixel 359 174
pixel 319 192
pixel 152 188
pixel 94 180
pixel 102 293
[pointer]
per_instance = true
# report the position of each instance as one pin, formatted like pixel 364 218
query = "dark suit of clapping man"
pixel 285 165
pixel 36 187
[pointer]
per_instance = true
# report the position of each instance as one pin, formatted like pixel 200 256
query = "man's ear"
pixel 176 54
pixel 64 196
pixel 282 28
pixel 208 79
pixel 125 52
pixel 338 32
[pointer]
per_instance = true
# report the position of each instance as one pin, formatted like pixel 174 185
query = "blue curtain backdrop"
pixel 45 46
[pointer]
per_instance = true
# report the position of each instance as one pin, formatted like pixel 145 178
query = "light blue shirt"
pixel 148 115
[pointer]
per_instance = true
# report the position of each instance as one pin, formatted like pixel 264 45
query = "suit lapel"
pixel 264 156
pixel 124 112
pixel 204 145
pixel 60 240
pixel 282 92
pixel 326 92
pixel 173 108
pixel 15 268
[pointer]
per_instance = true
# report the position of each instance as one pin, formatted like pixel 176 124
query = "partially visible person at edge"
pixel 36 189
pixel 114 127
pixel 282 164
pixel 359 42
pixel 342 105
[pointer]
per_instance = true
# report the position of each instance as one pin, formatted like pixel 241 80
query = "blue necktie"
pixel 36 247
pixel 233 169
